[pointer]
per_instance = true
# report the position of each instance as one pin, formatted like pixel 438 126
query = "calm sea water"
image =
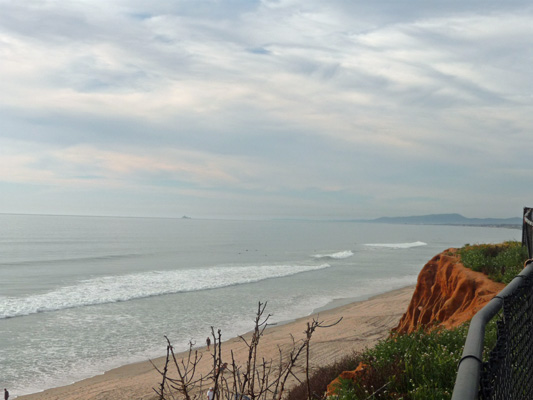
pixel 82 295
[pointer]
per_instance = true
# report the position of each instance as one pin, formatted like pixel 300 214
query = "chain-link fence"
pixel 508 373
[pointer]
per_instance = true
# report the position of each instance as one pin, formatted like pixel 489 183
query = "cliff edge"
pixel 447 294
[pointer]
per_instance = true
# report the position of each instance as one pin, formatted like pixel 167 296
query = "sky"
pixel 266 108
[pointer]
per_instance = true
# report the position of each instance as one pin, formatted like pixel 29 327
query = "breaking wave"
pixel 341 255
pixel 112 289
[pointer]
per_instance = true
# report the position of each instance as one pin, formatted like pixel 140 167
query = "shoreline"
pixel 364 323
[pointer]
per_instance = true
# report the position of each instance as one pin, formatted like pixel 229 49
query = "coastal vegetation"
pixel 419 365
pixel 500 262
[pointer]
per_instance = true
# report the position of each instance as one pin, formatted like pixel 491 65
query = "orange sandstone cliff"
pixel 446 294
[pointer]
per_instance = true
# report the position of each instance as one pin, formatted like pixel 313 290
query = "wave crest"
pixel 112 289
pixel 336 256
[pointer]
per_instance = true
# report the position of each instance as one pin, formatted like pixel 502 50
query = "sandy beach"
pixel 363 325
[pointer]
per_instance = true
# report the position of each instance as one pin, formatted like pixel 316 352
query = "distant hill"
pixel 448 219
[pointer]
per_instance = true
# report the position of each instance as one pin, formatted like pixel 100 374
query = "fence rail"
pixel 508 373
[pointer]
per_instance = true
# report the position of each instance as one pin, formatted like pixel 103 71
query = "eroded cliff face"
pixel 447 294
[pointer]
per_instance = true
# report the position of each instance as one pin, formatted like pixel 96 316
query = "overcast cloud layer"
pixel 288 108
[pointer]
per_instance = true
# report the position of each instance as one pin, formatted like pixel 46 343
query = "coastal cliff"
pixel 447 294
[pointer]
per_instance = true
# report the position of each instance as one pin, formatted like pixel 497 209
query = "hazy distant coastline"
pixel 450 219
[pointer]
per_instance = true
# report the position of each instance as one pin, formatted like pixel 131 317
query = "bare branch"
pixel 257 379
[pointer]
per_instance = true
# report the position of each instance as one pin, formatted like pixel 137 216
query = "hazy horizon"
pixel 252 218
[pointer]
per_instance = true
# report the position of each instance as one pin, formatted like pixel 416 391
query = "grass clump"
pixel 500 262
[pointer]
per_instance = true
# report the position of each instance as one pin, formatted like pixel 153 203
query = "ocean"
pixel 82 295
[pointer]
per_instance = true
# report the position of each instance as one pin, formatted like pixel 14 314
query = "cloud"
pixel 283 102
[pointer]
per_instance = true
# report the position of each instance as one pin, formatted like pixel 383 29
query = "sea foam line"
pixel 112 289
pixel 397 245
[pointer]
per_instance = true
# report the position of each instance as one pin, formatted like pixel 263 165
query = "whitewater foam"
pixel 112 289
pixel 336 256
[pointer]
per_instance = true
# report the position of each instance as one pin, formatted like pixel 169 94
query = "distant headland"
pixel 449 219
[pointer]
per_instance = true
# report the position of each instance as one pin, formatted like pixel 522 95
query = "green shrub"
pixel 501 262
pixel 419 365
pixel 423 365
